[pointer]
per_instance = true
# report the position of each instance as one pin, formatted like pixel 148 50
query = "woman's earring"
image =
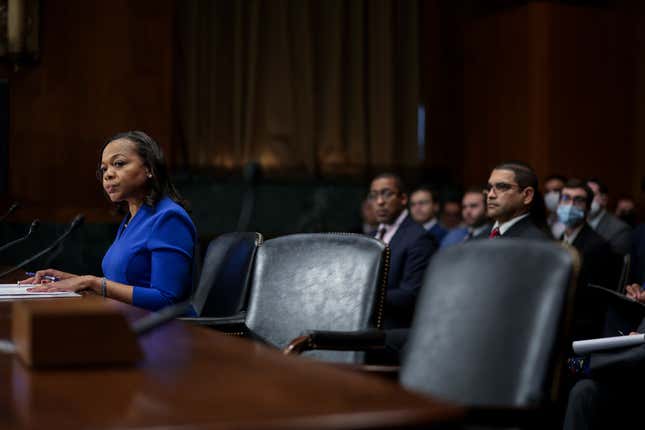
pixel 149 175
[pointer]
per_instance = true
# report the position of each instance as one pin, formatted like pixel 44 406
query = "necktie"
pixel 494 233
pixel 381 233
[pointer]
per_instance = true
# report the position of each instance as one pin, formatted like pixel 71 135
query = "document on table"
pixel 582 347
pixel 19 291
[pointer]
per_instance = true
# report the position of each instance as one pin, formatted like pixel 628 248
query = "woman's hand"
pixel 635 292
pixel 39 277
pixel 73 283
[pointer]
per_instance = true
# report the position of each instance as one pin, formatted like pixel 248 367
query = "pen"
pixel 49 278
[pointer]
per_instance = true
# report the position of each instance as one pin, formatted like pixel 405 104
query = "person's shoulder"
pixel 611 224
pixel 167 209
pixel 526 228
pixel 591 239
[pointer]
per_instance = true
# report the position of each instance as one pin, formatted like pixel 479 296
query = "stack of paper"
pixel 15 291
pixel 582 347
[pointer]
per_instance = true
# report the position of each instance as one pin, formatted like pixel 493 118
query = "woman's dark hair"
pixel 159 185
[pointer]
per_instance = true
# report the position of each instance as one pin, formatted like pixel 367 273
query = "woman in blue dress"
pixel 150 261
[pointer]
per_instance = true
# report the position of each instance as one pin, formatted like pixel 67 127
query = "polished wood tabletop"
pixel 195 377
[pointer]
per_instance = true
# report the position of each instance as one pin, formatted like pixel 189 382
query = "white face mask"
pixel 551 200
pixel 595 208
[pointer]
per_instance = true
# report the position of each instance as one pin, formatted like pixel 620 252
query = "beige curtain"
pixel 319 85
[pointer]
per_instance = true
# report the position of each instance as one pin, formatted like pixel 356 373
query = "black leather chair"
pixel 222 289
pixel 327 281
pixel 491 326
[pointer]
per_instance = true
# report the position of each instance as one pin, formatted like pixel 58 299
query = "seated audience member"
pixel 552 188
pixel 411 248
pixel 613 230
pixel 150 262
pixel 473 212
pixel 575 203
pixel 513 202
pixel 626 210
pixel 609 396
pixel 424 205
pixel 450 214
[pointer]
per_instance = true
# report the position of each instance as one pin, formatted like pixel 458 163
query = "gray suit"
pixel 616 232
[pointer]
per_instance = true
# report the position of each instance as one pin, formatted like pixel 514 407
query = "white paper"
pixel 18 285
pixel 582 347
pixel 14 291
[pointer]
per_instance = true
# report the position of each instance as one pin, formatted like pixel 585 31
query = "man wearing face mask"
pixel 552 188
pixel 572 211
pixel 613 230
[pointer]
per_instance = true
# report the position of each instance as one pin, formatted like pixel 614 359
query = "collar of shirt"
pixel 572 237
pixel 595 221
pixel 390 229
pixel 503 228
pixel 428 225
pixel 476 231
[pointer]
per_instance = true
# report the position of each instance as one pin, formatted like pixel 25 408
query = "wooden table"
pixel 194 377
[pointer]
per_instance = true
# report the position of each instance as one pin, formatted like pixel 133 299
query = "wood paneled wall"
pixel 560 87
pixel 105 67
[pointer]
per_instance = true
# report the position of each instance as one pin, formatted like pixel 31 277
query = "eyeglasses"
pixel 499 187
pixel 385 194
pixel 577 200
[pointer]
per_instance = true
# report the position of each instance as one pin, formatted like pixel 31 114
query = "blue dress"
pixel 154 254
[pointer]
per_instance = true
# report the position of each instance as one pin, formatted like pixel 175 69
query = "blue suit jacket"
pixel 438 232
pixel 454 237
pixel 410 251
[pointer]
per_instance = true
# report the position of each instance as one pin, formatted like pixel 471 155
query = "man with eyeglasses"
pixel 513 202
pixel 410 248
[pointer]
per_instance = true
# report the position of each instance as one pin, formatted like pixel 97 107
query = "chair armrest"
pixel 233 324
pixel 336 341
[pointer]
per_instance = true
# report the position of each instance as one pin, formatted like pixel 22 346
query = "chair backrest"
pixel 223 284
pixel 320 281
pixel 624 273
pixel 490 323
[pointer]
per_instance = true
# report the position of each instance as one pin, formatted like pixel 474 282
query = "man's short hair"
pixel 397 180
pixel 556 176
pixel 524 174
pixel 475 189
pixel 428 189
pixel 580 184
pixel 602 187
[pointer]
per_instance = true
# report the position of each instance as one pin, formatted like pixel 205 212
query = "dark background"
pixel 560 85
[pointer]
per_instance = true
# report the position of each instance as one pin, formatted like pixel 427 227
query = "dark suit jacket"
pixel 620 365
pixel 599 265
pixel 526 229
pixel 638 255
pixel 410 250
pixel 616 232
pixel 438 232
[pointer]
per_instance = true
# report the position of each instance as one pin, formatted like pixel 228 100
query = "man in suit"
pixel 610 395
pixel 473 211
pixel 615 231
pixel 410 248
pixel 424 206
pixel 513 202
pixel 572 211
